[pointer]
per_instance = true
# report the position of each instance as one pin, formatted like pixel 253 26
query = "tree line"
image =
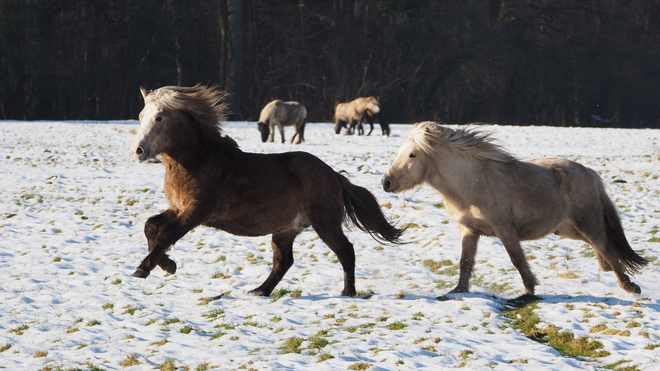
pixel 527 62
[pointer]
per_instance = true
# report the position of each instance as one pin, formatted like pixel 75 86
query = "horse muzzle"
pixel 140 152
pixel 388 186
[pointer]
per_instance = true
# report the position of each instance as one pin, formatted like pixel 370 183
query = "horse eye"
pixel 159 118
pixel 412 155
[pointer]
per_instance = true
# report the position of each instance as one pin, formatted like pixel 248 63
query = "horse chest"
pixel 473 217
pixel 179 191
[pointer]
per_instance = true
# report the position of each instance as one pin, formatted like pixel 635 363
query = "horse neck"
pixel 457 178
pixel 190 147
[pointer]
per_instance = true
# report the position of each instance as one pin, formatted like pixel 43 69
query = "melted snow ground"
pixel 74 204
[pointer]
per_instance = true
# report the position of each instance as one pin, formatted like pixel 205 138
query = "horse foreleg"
pixel 281 127
pixel 271 133
pixel 468 253
pixel 282 244
pixel 370 120
pixel 517 256
pixel 151 230
pixel 162 231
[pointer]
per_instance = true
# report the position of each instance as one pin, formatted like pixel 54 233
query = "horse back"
pixel 253 194
pixel 283 113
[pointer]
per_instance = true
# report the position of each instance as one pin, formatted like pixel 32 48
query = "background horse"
pixel 210 181
pixel 352 114
pixel 489 192
pixel 280 114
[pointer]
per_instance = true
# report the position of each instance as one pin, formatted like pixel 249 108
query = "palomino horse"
pixel 210 181
pixel 489 192
pixel 280 114
pixel 352 114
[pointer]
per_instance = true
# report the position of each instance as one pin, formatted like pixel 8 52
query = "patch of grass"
pixel 292 345
pixel 435 266
pixel 359 366
pixel 598 328
pixel 167 366
pixel 131 360
pixel 7 346
pixel 159 343
pixel 523 319
pixel 218 334
pixel 221 275
pixel 108 306
pixel 93 322
pixel 215 313
pixel 131 309
pixel 324 357
pixel 614 366
pixel 40 354
pixel 317 342
pixel 186 329
pixel 279 293
pixel 365 294
pixel 396 326
pixel 20 330
pixel 466 353
pixel 170 321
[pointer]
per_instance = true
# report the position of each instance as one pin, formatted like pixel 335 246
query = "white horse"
pixel 280 114
pixel 488 192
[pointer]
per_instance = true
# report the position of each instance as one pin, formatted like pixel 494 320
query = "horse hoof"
pixel 257 292
pixel 140 273
pixel 349 293
pixel 633 288
pixel 171 268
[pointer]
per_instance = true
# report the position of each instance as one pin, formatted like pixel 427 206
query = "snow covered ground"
pixel 72 208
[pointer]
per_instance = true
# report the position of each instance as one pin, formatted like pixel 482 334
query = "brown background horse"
pixel 352 114
pixel 210 181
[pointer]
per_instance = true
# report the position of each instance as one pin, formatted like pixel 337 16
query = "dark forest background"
pixel 531 62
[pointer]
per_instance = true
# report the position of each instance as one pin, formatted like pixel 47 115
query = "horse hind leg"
pixel 595 234
pixel 282 244
pixel 517 256
pixel 333 236
pixel 568 230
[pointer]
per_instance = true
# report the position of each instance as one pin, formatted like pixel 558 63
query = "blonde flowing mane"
pixel 463 142
pixel 205 104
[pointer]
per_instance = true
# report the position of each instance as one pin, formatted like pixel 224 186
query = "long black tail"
pixel 630 260
pixel 365 213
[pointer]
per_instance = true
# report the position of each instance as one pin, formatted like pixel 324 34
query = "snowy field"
pixel 74 204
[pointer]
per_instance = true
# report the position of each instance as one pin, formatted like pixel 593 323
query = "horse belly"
pixel 259 223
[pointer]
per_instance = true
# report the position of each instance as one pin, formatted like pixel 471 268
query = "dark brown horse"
pixel 210 181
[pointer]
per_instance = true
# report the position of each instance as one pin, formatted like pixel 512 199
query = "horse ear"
pixel 144 92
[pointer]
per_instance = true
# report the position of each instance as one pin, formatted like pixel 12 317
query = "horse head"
pixel 264 129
